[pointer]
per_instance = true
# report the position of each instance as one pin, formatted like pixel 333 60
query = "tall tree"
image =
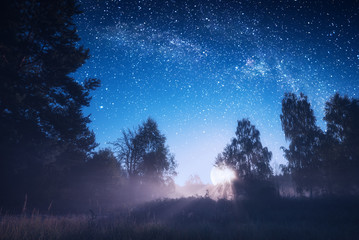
pixel 342 146
pixel 41 117
pixel 145 154
pixel 299 126
pixel 246 154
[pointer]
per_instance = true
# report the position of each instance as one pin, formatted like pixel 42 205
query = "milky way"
pixel 197 67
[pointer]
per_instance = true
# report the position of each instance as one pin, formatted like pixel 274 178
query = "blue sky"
pixel 197 67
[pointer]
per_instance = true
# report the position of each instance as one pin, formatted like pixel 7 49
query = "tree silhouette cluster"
pixel 250 160
pixel 327 162
pixel 47 150
pixel 44 134
pixel 320 162
pixel 246 153
pixel 48 154
pixel 145 154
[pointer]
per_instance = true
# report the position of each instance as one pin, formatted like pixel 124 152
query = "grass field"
pixel 199 218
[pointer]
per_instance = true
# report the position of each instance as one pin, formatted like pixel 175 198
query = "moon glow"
pixel 222 175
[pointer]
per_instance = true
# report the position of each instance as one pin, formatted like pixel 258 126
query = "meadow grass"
pixel 199 218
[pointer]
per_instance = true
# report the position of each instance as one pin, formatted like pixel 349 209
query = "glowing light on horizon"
pixel 222 175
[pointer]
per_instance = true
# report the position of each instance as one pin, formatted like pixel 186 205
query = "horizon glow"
pixel 222 175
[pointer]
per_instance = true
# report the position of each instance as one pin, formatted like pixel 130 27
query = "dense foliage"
pixel 49 158
pixel 341 149
pixel 250 160
pixel 144 153
pixel 327 162
pixel 299 126
pixel 246 154
pixel 44 134
pixel 148 165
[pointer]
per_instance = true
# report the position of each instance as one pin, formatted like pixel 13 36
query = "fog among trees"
pixel 49 155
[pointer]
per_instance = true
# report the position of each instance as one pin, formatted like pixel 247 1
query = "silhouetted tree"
pixel 341 150
pixel 128 152
pixel 299 126
pixel 43 130
pixel 246 155
pixel 145 154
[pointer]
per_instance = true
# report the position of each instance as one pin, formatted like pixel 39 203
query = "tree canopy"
pixel 41 119
pixel 246 154
pixel 341 148
pixel 323 161
pixel 299 126
pixel 144 153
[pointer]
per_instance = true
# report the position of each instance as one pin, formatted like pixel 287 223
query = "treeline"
pixel 322 162
pixel 319 162
pixel 48 157
pixel 139 168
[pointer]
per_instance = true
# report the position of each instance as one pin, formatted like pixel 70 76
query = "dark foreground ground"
pixel 199 218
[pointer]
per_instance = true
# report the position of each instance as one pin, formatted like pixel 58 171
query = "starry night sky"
pixel 197 67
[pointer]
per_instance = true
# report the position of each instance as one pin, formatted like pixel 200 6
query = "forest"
pixel 55 183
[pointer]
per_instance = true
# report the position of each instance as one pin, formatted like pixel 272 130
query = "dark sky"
pixel 197 67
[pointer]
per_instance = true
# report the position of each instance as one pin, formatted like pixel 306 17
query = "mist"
pixel 106 105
